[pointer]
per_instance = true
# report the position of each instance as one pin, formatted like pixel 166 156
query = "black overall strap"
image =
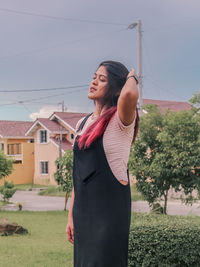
pixel 83 122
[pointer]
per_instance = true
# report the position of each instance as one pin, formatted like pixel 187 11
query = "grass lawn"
pixel 46 245
pixel 57 191
pixel 29 186
pixel 52 191
pixel 2 203
pixel 48 190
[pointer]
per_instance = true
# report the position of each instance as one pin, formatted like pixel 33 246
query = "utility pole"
pixel 140 85
pixel 60 139
pixel 140 66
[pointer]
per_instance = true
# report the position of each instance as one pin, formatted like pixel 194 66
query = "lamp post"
pixel 132 26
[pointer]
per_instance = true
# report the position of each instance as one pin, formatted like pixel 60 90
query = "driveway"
pixel 32 202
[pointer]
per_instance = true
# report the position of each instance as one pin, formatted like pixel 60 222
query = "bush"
pixel 7 190
pixel 167 242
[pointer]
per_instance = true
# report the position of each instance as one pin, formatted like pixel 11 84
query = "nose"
pixel 95 81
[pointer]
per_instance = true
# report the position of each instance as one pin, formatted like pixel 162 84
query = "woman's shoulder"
pixel 80 121
pixel 117 121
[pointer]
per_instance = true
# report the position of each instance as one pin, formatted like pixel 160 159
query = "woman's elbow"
pixel 130 96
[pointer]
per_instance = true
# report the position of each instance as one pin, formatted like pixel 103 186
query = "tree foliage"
pixel 166 154
pixel 63 175
pixel 7 190
pixel 6 165
pixel 195 101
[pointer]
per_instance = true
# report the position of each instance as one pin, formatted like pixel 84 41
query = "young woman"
pixel 99 216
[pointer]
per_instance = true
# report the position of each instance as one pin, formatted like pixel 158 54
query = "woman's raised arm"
pixel 127 101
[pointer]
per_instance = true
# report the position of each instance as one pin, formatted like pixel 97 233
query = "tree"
pixel 7 190
pixel 195 101
pixel 6 165
pixel 166 154
pixel 63 175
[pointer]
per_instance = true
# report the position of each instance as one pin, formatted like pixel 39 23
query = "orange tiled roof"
pixel 14 128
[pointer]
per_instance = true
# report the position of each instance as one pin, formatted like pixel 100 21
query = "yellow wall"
pixel 12 141
pixel 23 172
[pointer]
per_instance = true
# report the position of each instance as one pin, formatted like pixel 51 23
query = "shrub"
pixel 170 243
pixel 7 190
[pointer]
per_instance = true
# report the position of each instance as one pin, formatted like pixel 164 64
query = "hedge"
pixel 165 243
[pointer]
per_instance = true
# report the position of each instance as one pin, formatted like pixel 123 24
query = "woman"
pixel 99 216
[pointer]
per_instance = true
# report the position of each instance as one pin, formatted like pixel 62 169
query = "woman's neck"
pixel 98 110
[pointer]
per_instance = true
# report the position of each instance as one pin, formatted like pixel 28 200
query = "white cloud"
pixel 44 112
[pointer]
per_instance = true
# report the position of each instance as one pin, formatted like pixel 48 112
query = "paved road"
pixel 33 202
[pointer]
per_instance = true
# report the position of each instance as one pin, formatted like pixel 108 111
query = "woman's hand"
pixel 133 73
pixel 70 230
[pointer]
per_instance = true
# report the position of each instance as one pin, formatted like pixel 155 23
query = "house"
pixel 20 148
pixel 46 133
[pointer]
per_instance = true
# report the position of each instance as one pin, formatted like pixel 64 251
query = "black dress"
pixel 101 211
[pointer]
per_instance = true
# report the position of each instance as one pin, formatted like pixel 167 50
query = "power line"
pixel 42 89
pixel 36 99
pixel 59 18
pixel 25 107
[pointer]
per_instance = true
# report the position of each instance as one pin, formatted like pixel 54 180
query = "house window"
pixel 2 146
pixel 18 162
pixel 14 149
pixel 18 148
pixel 44 167
pixel 43 136
pixel 11 149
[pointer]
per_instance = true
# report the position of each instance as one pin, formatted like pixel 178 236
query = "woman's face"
pixel 98 84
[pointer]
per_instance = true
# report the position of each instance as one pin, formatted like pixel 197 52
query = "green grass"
pixel 49 190
pixel 29 186
pixel 46 245
pixel 2 203
pixel 135 194
pixel 56 191
pixel 52 191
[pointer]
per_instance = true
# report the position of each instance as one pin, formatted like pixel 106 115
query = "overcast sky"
pixel 52 44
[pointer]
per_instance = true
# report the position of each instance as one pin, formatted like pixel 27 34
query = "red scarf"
pixel 96 129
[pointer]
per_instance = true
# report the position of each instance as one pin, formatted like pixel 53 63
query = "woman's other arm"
pixel 127 102
pixel 70 225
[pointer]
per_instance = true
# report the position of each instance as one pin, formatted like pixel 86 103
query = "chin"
pixel 90 96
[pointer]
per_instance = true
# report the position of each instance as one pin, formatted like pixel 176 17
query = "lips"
pixel 92 89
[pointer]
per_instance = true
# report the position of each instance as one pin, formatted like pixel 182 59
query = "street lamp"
pixel 130 27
